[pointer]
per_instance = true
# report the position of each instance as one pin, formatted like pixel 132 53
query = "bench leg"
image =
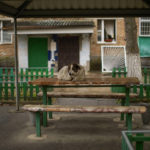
pixel 44 103
pixel 122 114
pixel 127 102
pixel 129 121
pixel 50 114
pixel 38 126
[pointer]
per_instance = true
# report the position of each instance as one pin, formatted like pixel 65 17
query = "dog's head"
pixel 73 69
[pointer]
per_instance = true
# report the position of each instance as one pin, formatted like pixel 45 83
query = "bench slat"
pixel 78 94
pixel 96 109
pixel 103 81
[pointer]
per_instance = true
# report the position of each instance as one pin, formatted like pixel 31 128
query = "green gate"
pixel 38 52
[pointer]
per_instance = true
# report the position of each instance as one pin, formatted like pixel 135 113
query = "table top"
pixel 103 81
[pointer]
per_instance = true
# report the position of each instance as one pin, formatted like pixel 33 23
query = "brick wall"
pixel 95 63
pixel 7 50
pixel 7 55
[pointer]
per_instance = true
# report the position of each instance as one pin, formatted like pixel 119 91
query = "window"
pixel 144 26
pixel 106 31
pixel 5 37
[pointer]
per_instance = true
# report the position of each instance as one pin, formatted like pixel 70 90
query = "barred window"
pixel 145 26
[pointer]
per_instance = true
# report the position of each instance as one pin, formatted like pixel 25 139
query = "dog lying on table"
pixel 73 72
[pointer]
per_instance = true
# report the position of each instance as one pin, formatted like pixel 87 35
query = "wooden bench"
pixel 86 94
pixel 105 82
pixel 83 109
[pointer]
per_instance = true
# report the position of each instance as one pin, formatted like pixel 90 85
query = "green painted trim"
pixel 38 126
pixel 50 114
pixel 45 103
pixel 122 114
pixel 129 121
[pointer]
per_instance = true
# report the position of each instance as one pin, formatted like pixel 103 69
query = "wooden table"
pixel 88 82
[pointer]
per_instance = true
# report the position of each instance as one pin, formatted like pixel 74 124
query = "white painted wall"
pixel 85 52
pixel 56 31
pixel 23 51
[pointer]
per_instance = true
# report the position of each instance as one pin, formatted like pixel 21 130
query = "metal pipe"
pixel 16 63
pixel 130 147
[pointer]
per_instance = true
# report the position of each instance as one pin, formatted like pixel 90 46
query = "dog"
pixel 73 72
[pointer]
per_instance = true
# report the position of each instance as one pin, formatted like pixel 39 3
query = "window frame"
pixel 140 21
pixel 1 31
pixel 102 31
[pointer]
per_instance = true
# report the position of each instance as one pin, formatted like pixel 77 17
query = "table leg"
pixel 44 103
pixel 122 104
pixel 50 103
pixel 127 102
pixel 129 121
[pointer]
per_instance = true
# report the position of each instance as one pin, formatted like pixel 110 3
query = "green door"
pixel 38 52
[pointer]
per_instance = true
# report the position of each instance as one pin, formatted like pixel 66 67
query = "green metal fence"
pixel 143 90
pixel 27 92
pixel 134 140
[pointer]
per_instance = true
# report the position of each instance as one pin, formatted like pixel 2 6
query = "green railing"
pixel 134 140
pixel 143 90
pixel 122 72
pixel 26 91
pixel 146 74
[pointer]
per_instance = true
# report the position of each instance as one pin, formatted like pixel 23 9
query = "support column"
pixel 16 64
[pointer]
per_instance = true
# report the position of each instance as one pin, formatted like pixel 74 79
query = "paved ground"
pixel 66 132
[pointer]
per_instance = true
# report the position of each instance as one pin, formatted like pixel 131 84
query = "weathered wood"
pixel 87 82
pixel 93 109
pixel 87 94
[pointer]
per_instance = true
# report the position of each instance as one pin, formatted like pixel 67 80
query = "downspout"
pixel 16 63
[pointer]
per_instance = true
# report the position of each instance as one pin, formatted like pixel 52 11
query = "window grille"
pixel 113 57
pixel 144 26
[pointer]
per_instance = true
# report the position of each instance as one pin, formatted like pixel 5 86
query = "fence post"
pixel 134 89
pixel 147 91
pixel 125 72
pixel 6 84
pixel 26 84
pixel 12 79
pixel 21 75
pixel 145 75
pixel 114 73
pixel 41 73
pixel 25 90
pixel 119 72
pixel 47 73
pixel 141 91
pixel 139 144
pixel 31 86
pixel 37 87
pixel 1 82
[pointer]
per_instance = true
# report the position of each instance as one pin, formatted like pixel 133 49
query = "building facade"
pixel 95 43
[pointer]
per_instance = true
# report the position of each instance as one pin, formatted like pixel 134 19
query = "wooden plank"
pixel 87 94
pixel 86 82
pixel 93 109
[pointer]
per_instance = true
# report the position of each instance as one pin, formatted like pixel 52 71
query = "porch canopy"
pixel 76 8
pixel 69 8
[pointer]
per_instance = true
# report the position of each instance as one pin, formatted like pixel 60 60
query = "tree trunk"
pixel 133 55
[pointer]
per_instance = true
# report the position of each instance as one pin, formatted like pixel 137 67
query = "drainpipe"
pixel 16 63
